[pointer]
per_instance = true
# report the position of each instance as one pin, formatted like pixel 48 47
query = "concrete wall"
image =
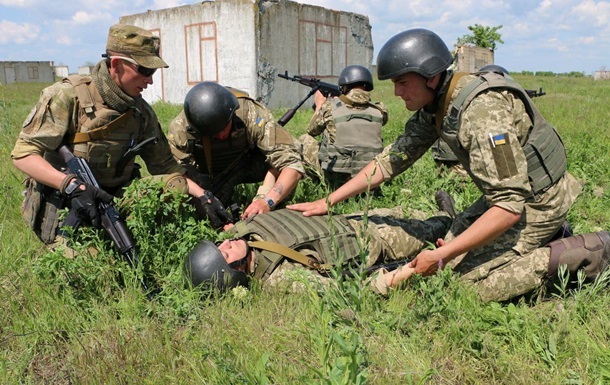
pixel 85 70
pixel 601 75
pixel 61 71
pixel 246 43
pixel 472 59
pixel 26 72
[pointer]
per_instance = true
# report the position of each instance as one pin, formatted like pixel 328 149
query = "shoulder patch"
pixel 29 118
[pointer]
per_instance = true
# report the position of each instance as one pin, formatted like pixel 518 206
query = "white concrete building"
pixel 247 43
pixel 26 72
pixel 61 71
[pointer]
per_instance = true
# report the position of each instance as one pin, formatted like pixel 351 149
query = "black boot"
pixel 445 202
pixel 590 252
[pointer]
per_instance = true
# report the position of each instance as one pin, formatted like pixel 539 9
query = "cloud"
pixel 83 17
pixel 14 33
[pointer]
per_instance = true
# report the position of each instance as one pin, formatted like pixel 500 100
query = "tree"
pixel 482 36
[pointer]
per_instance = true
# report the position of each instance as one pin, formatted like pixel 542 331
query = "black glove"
pixel 85 202
pixel 215 211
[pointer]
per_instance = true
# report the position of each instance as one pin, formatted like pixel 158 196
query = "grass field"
pixel 86 321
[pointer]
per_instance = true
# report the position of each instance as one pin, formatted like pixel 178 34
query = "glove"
pixel 85 202
pixel 214 210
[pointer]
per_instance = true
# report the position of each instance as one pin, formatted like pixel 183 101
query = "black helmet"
pixel 209 107
pixel 205 263
pixel 493 68
pixel 415 50
pixel 356 75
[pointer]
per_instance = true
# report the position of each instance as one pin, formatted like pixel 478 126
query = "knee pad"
pixel 175 182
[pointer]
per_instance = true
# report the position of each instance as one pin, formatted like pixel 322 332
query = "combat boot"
pixel 445 202
pixel 590 252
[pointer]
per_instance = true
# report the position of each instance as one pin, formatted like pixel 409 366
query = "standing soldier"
pixel 225 138
pixel 100 118
pixel 350 125
pixel 514 156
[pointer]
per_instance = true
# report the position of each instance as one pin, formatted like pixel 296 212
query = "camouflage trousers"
pixel 514 264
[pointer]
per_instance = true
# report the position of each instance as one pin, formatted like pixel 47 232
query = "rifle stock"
pixel 112 223
pixel 327 89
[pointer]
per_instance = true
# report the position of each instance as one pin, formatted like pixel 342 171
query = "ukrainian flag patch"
pixel 499 139
pixel 260 121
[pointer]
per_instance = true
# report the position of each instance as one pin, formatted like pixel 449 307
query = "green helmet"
pixel 209 107
pixel 356 75
pixel 205 264
pixel 415 50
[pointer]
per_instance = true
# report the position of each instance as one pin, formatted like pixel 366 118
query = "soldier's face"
pixel 224 134
pixel 414 90
pixel 233 250
pixel 128 78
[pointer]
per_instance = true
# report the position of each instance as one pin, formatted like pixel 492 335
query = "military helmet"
pixel 206 264
pixel 209 107
pixel 355 75
pixel 415 50
pixel 493 68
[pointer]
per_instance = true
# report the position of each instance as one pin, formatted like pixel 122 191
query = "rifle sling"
pixel 290 254
pixel 101 132
pixel 206 141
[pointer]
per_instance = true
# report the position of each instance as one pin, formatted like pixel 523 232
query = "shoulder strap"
pixel 446 99
pixel 289 253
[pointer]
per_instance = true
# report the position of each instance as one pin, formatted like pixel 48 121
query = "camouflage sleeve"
pixel 418 137
pixel 293 277
pixel 178 140
pixel 49 121
pixel 322 120
pixel 492 129
pixel 158 157
pixel 279 147
pixel 384 111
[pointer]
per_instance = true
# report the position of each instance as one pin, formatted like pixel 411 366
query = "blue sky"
pixel 547 35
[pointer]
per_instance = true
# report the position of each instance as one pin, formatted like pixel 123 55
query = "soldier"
pixel 225 138
pixel 514 156
pixel 272 246
pixel 350 125
pixel 100 118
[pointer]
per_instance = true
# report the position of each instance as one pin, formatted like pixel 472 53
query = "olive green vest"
pixel 292 229
pixel 357 139
pixel 544 149
pixel 103 135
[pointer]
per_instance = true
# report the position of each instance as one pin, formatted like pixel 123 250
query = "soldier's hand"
pixel 258 206
pixel 214 210
pixel 84 199
pixel 427 262
pixel 319 207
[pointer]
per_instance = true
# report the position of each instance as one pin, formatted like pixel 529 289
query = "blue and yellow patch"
pixel 260 122
pixel 497 140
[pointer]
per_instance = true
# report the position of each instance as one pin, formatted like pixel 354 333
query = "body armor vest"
pixel 357 139
pixel 288 228
pixel 544 149
pixel 111 132
pixel 226 154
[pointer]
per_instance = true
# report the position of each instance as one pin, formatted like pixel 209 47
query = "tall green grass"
pixel 86 321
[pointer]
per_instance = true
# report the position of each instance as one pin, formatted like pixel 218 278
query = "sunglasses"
pixel 144 71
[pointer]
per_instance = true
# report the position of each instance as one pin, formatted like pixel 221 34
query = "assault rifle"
pixel 326 89
pixel 535 93
pixel 112 223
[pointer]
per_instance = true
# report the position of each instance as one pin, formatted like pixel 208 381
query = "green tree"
pixel 482 36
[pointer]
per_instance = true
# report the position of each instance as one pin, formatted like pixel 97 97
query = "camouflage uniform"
pixel 385 234
pixel 256 144
pixel 55 120
pixel 516 262
pixel 323 123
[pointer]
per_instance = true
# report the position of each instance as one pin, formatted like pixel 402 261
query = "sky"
pixel 539 35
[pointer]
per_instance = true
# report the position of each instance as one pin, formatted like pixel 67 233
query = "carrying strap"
pixel 446 99
pixel 101 132
pixel 206 141
pixel 289 253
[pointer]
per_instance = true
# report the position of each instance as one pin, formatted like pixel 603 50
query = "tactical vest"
pixel 544 149
pixel 226 154
pixel 103 135
pixel 357 139
pixel 289 228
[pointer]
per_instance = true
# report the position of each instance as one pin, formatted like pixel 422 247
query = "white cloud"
pixel 82 17
pixel 17 33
